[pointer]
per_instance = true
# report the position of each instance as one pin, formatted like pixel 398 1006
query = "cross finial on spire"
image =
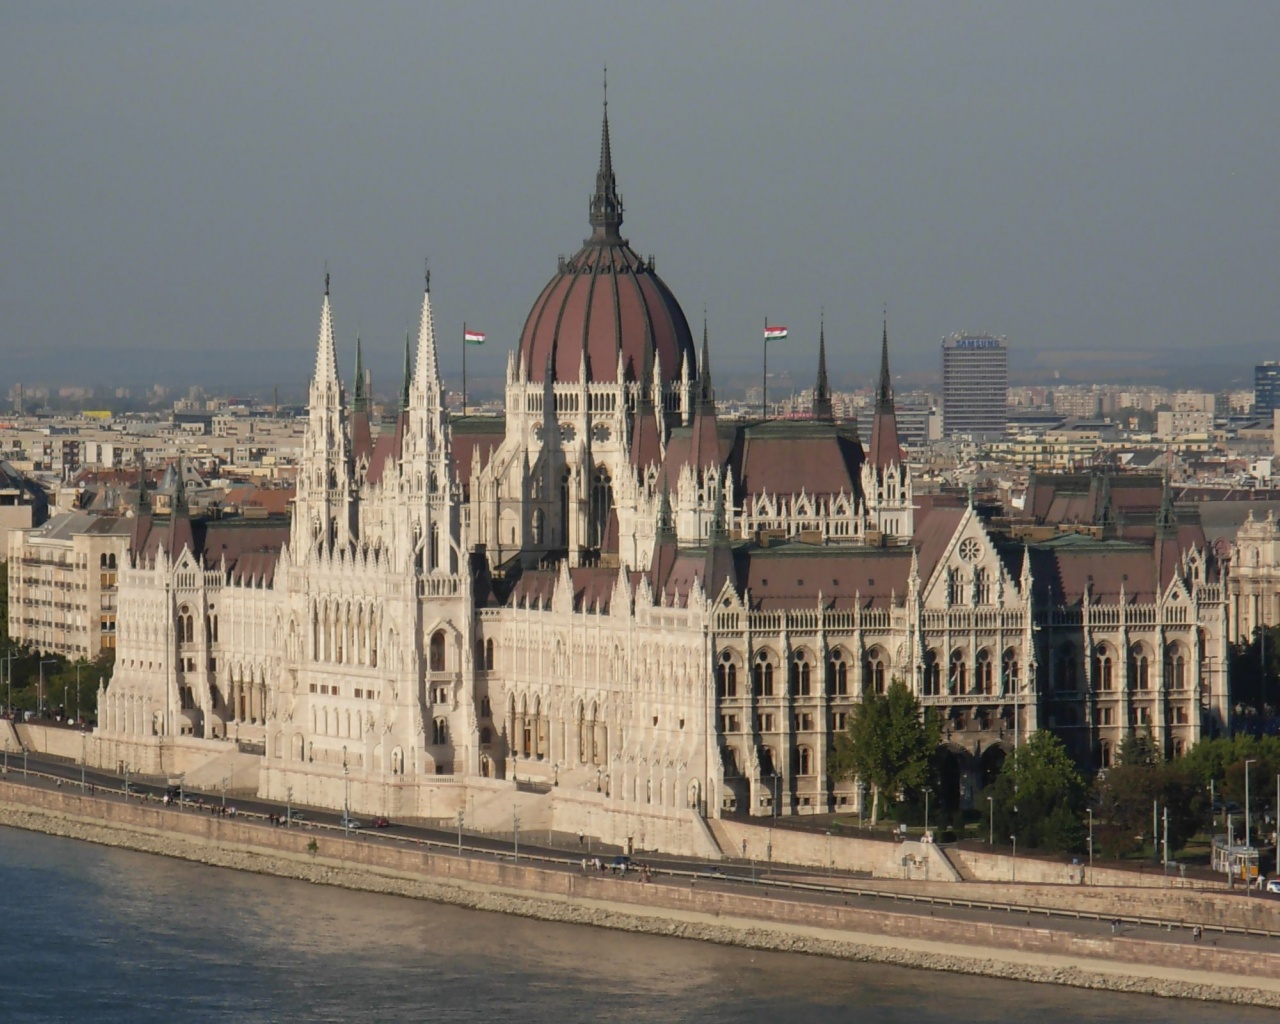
pixel 326 277
pixel 427 265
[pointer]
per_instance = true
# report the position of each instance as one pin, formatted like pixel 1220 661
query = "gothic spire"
pixel 426 377
pixel 885 449
pixel 408 377
pixel 706 394
pixel 822 388
pixel 360 400
pixel 1166 518
pixel 326 349
pixel 884 393
pixel 666 523
pixel 606 204
pixel 179 504
pixel 144 499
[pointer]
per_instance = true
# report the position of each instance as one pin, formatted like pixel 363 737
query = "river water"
pixel 104 935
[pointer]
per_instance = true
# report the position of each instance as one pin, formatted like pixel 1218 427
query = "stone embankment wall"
pixel 696 912
pixel 918 862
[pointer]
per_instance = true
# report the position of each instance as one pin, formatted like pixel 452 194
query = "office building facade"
pixel 975 385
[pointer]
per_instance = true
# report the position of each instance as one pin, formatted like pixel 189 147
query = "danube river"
pixel 104 935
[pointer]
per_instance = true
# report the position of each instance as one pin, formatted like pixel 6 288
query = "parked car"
pixel 1273 885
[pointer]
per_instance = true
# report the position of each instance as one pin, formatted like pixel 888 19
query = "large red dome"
pixel 606 302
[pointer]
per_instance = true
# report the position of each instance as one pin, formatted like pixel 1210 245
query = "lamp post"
pixel 515 835
pixel 6 755
pixel 224 791
pixel 78 722
pixel 126 778
pixel 1090 810
pixel 84 740
pixel 1248 843
pixel 926 811
pixel 1248 761
pixel 1013 864
pixel 46 661
pixel 460 818
pixel 991 821
pixel 346 794
pixel 777 793
pixel 288 806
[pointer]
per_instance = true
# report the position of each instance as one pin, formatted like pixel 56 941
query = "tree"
pixel 888 743
pixel 1140 783
pixel 1039 796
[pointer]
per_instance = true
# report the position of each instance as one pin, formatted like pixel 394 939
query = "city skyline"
pixel 971 170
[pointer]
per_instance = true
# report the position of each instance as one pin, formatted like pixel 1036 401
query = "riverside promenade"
pixel 1232 968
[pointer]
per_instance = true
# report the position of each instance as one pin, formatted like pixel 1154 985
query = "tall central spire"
pixel 606 204
pixel 884 393
pixel 822 388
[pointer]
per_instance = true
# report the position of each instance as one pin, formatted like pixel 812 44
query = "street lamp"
pixel 926 811
pixel 47 661
pixel 991 821
pixel 288 806
pixel 515 835
pixel 1013 864
pixel 1248 761
pixel 1090 810
pixel 460 818
pixel 224 792
pixel 346 794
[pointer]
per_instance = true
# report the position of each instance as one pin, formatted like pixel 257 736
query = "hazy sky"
pixel 1074 176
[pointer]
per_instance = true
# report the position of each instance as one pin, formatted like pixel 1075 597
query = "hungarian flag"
pixel 473 337
pixel 774 333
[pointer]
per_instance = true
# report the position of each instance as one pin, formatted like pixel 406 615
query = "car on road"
pixel 380 823
pixel 350 823
pixel 1273 885
pixel 621 864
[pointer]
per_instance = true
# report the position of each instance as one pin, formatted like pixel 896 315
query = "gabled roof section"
pixel 790 456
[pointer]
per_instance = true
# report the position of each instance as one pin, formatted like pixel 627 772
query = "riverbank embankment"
pixel 690 910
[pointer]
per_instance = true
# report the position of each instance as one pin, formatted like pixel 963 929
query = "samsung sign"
pixel 977 343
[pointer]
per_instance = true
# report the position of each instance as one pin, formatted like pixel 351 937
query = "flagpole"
pixel 464 367
pixel 764 376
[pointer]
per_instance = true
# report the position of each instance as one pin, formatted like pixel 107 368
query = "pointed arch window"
pixel 957 672
pixel 1103 669
pixel 874 670
pixel 1009 671
pixel 838 674
pixel 932 683
pixel 762 676
pixel 435 651
pixel 983 682
pixel 601 506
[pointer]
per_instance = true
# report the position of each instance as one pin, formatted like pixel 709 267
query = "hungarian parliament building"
pixel 611 609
